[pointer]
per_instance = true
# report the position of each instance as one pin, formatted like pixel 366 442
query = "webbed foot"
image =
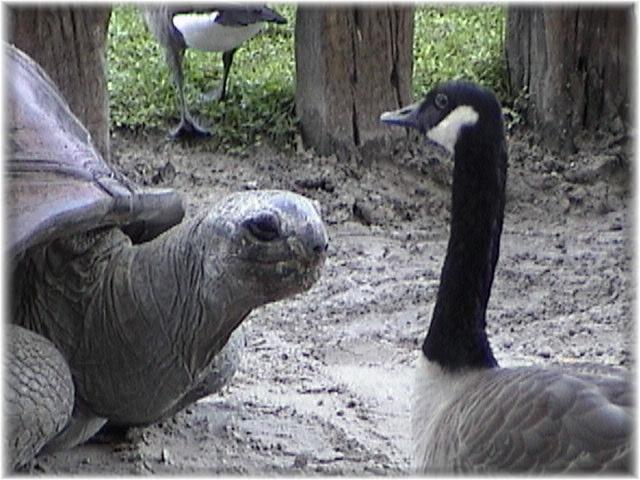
pixel 189 130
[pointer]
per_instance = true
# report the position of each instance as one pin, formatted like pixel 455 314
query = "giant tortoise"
pixel 119 310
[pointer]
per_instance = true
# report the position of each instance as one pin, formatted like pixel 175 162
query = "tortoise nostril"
pixel 321 248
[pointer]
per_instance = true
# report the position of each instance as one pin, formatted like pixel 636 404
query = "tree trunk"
pixel 575 65
pixel 70 44
pixel 352 63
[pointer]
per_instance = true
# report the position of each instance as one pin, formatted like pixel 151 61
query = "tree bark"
pixel 70 44
pixel 575 65
pixel 352 63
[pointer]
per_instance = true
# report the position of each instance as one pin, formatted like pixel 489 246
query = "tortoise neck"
pixel 119 312
pixel 190 291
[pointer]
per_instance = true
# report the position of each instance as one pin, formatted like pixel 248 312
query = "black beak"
pixel 271 15
pixel 404 117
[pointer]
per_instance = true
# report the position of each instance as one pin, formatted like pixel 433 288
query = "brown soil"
pixel 325 381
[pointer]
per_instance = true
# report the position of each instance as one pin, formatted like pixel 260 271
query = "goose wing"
pixel 541 420
pixel 612 381
pixel 231 14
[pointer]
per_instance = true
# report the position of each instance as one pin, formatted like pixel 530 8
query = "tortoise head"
pixel 274 243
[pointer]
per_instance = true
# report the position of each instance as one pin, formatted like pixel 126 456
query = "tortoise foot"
pixel 110 433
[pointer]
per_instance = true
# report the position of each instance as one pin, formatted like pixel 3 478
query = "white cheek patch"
pixel 201 32
pixel 446 132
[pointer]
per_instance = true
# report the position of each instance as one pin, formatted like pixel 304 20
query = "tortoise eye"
pixel 441 101
pixel 265 226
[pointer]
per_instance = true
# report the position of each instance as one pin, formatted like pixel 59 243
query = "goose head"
pixel 469 414
pixel 465 119
pixel 448 111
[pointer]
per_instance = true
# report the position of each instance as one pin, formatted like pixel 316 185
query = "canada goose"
pixel 221 28
pixel 469 414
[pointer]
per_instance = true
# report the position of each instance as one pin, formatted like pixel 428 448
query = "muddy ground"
pixel 325 380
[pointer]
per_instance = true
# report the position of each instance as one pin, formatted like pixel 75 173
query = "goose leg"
pixel 227 59
pixel 188 128
pixel 220 93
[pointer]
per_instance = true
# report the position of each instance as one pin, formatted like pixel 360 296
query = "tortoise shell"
pixel 58 184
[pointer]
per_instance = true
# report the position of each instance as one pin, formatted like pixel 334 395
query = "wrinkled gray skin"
pixel 141 326
pixel 38 391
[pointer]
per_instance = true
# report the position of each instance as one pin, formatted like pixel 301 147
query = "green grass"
pixel 450 42
pixel 260 89
pixel 456 42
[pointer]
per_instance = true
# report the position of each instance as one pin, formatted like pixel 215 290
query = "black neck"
pixel 457 337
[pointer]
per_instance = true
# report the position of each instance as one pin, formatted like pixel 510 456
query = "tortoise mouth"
pixel 290 252
pixel 300 267
pixel 297 267
pixel 287 277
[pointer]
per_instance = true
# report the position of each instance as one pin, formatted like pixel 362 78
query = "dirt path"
pixel 326 377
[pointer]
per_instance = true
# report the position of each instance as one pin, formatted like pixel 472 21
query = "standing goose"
pixel 221 28
pixel 469 415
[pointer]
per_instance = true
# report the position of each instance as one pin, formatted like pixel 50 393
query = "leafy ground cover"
pixel 449 42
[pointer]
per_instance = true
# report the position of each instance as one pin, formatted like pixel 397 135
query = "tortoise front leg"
pixel 38 395
pixel 219 373
pixel 82 425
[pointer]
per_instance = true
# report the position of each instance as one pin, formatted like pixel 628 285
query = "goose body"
pixel 203 31
pixel 470 415
pixel 519 420
pixel 211 28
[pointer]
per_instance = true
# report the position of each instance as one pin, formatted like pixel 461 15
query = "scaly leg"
pixel 188 128
pixel 38 395
pixel 220 93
